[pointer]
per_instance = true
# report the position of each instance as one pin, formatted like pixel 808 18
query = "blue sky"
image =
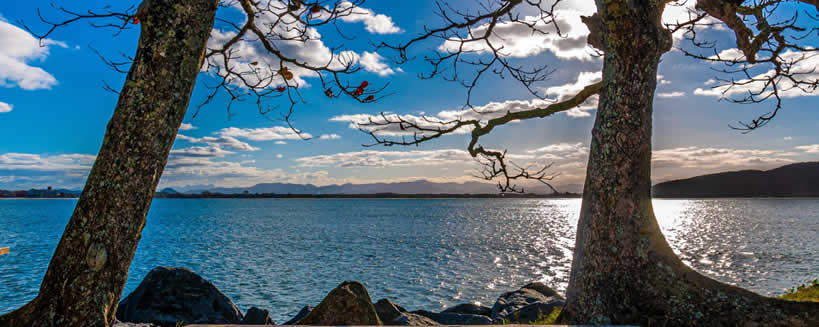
pixel 53 110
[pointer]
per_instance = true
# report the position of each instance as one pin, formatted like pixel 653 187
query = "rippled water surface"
pixel 283 254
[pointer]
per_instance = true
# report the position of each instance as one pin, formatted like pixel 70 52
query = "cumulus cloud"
pixel 518 40
pixel 329 137
pixel 378 159
pixel 566 91
pixel 201 151
pixel 24 170
pixel 675 94
pixel 5 107
pixel 289 41
pixel 18 51
pixel 374 63
pixel 707 158
pixel 183 171
pixel 312 52
pixel 814 148
pixel 12 161
pixel 223 141
pixel 375 23
pixel 802 66
pixel 264 133
pixel 448 118
pixel 186 127
pixel 561 151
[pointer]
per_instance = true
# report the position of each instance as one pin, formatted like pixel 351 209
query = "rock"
pixel 256 316
pixel 534 311
pixel 387 311
pixel 299 316
pixel 469 309
pixel 542 289
pixel 455 318
pixel 170 295
pixel 347 304
pixel 411 319
pixel 507 305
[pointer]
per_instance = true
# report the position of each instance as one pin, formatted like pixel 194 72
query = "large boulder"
pixel 299 316
pixel 387 310
pixel 170 295
pixel 542 289
pixel 411 319
pixel 256 316
pixel 347 304
pixel 526 304
pixel 469 309
pixel 455 318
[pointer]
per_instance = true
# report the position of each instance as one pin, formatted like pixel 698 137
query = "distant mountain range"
pixel 414 187
pixel 794 180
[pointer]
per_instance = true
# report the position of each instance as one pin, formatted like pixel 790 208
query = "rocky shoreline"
pixel 168 296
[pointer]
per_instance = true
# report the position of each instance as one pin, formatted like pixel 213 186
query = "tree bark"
pixel 86 275
pixel 624 271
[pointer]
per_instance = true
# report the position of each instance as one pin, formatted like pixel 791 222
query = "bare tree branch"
pixel 771 59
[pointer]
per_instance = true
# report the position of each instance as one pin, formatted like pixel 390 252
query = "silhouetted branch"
pixel 494 162
pixel 768 36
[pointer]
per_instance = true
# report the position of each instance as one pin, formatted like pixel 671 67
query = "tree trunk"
pixel 86 275
pixel 624 271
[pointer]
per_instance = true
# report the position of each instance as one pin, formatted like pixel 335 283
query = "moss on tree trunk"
pixel 87 273
pixel 624 271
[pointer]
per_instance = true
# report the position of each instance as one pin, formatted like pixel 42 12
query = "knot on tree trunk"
pixel 595 25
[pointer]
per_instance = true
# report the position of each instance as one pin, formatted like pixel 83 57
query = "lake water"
pixel 282 254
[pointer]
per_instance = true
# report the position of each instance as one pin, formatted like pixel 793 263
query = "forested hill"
pixel 794 180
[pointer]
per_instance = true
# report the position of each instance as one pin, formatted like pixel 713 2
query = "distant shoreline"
pixel 367 196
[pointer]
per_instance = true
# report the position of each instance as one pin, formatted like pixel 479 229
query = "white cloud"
pixel 814 148
pixel 371 158
pixel 675 94
pixel 62 162
pixel 5 107
pixel 566 91
pixel 186 127
pixel 329 137
pixel 709 158
pixel 279 155
pixel 18 49
pixel 280 142
pixel 373 62
pixel 729 54
pixel 201 151
pixel 223 141
pixel 447 118
pixel 787 138
pixel 561 151
pixel 183 171
pixel 356 120
pixel 518 40
pixel 802 65
pixel 375 23
pixel 263 134
pixel 296 41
